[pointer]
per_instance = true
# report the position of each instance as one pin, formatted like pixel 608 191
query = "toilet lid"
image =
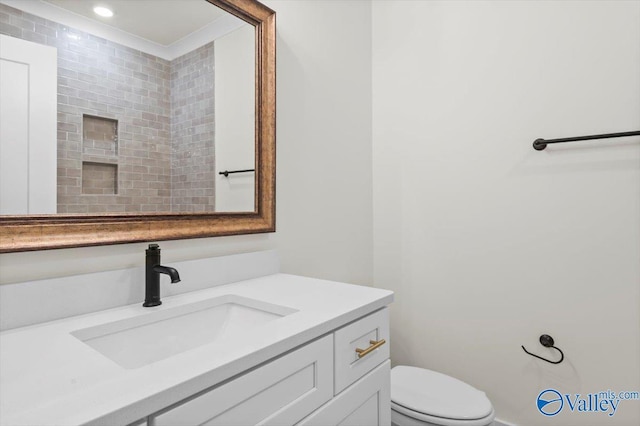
pixel 437 394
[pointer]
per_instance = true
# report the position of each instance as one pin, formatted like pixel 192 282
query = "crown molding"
pixel 198 38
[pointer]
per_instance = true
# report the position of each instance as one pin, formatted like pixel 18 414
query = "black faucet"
pixel 153 271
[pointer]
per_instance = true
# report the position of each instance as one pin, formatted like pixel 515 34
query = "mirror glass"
pixel 154 108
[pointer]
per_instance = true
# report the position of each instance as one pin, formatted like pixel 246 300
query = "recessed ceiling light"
pixel 103 11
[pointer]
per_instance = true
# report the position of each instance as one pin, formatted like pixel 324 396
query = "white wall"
pixel 324 189
pixel 324 178
pixel 488 243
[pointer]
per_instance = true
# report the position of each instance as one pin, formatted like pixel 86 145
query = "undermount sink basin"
pixel 138 341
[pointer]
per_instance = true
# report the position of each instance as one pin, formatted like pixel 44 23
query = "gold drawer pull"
pixel 374 345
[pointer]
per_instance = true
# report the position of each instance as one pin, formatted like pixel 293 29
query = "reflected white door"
pixel 28 115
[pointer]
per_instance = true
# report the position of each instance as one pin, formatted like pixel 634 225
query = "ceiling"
pixel 160 21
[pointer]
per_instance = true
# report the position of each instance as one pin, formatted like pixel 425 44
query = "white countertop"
pixel 49 377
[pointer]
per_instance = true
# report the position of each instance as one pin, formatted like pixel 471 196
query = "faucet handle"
pixel 153 247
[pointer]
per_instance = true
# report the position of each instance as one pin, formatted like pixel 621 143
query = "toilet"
pixel 421 397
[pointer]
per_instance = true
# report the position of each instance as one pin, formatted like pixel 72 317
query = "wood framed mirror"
pixel 27 232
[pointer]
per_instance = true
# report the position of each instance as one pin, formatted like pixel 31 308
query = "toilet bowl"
pixel 421 397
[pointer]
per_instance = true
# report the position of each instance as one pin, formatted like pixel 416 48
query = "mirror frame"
pixel 43 232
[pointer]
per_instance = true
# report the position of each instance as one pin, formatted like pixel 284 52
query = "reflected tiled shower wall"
pixel 192 131
pixel 110 82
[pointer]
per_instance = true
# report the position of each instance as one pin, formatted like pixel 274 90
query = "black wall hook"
pixel 547 342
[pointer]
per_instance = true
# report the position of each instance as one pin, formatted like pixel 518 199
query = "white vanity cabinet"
pixel 366 402
pixel 324 382
pixel 280 349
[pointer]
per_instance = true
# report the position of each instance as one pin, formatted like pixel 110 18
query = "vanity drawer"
pixel 364 334
pixel 281 392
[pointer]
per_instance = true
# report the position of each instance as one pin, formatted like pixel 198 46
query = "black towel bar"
pixel 226 173
pixel 540 144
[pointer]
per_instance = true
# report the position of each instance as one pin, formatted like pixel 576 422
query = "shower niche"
pixel 99 155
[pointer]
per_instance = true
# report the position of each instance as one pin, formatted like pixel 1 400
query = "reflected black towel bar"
pixel 540 144
pixel 226 173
